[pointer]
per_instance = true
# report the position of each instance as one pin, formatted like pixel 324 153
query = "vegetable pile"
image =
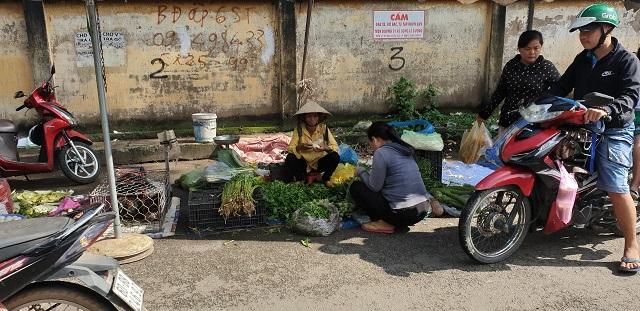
pixel 37 203
pixel 453 196
pixel 282 199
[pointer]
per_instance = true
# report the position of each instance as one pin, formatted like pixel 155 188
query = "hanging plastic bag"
pixel 347 154
pixel 474 142
pixel 430 142
pixel 562 209
pixel 343 173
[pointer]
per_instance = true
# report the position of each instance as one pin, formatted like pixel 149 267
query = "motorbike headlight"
pixel 538 113
pixel 66 115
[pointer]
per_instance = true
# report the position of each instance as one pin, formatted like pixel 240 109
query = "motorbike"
pixel 519 196
pixel 43 266
pixel 62 147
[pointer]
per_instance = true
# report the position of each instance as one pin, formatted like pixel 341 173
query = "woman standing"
pixel 392 193
pixel 525 77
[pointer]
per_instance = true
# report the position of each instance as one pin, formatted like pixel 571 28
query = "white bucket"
pixel 204 126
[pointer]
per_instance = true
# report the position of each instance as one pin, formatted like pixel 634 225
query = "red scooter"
pixel 62 147
pixel 521 195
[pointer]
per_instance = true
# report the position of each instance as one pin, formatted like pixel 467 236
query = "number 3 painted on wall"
pixel 396 57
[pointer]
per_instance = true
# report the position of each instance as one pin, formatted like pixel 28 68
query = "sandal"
pixel 373 227
pixel 629 260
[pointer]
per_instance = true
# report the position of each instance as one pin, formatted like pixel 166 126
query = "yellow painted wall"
pixel 351 69
pixel 15 66
pixel 218 57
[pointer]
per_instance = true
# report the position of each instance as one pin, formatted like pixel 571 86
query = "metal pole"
pixel 102 100
pixel 532 7
pixel 306 37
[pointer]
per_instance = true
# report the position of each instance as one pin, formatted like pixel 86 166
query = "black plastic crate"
pixel 204 216
pixel 435 159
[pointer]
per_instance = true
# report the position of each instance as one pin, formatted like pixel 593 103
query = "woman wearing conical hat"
pixel 313 149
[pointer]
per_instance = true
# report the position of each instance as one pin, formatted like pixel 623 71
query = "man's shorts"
pixel 636 121
pixel 613 160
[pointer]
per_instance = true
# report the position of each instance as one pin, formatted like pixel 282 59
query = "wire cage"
pixel 143 197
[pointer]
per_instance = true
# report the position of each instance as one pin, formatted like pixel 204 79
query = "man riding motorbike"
pixel 605 66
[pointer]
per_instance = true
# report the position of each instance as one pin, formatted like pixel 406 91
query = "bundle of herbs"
pixel 237 196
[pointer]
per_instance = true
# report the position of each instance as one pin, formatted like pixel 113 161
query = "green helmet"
pixel 595 13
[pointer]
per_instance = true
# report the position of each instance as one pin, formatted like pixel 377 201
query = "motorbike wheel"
pixel 483 230
pixel 56 298
pixel 71 165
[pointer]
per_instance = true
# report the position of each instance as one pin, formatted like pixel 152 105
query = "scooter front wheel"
pixel 80 164
pixel 494 224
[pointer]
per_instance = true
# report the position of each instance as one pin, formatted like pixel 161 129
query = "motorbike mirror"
pixel 53 69
pixel 19 94
pixel 597 99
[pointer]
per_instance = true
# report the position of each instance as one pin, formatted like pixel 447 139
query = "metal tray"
pixel 226 139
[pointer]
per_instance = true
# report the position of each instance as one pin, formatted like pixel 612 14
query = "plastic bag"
pixel 314 226
pixel 428 142
pixel 191 180
pixel 347 154
pixel 218 171
pixel 343 172
pixel 561 211
pixel 474 142
pixel 427 126
pixel 6 204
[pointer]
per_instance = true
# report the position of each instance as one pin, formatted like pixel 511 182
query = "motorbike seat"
pixel 7 126
pixel 20 235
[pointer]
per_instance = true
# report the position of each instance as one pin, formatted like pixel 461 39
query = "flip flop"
pixel 376 230
pixel 629 260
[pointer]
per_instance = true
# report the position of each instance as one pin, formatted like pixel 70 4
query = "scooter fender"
pixel 508 176
pixel 73 135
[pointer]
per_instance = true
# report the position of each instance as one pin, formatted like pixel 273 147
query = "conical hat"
pixel 312 108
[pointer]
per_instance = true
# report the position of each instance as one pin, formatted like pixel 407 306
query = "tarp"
pixel 263 149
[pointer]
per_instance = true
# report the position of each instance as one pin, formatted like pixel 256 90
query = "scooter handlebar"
pixel 21 107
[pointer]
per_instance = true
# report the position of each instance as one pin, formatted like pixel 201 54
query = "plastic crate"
pixel 435 159
pixel 204 216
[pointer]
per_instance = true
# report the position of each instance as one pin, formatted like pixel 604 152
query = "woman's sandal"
pixel 371 227
pixel 629 260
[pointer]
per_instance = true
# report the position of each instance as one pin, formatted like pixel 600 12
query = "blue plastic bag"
pixel 428 127
pixel 347 154
pixel 492 154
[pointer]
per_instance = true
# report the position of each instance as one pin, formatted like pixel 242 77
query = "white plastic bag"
pixel 429 142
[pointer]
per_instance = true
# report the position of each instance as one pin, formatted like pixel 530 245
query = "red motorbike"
pixel 519 197
pixel 62 147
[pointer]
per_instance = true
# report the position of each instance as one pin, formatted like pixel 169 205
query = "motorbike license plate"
pixel 128 291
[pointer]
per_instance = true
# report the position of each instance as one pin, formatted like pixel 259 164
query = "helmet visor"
pixel 580 22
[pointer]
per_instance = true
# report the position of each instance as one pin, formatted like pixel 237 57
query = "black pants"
pixel 377 207
pixel 296 169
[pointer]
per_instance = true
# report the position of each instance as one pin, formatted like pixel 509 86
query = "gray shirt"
pixel 395 173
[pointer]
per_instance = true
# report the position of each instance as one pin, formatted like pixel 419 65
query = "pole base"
pixel 130 247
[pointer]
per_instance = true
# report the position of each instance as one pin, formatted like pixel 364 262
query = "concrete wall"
pixel 351 69
pixel 15 67
pixel 166 60
pixel 553 19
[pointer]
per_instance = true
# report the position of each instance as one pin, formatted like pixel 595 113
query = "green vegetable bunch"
pixel 317 209
pixel 38 203
pixel 237 196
